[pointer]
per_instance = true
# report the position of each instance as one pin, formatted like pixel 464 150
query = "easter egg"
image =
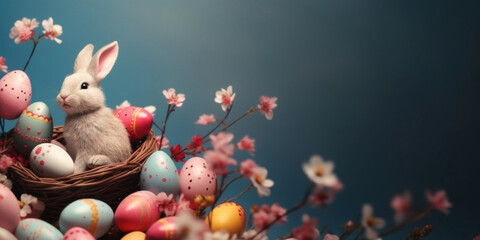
pixel 227 216
pixel 136 120
pixel 136 235
pixel 137 212
pixel 196 178
pixel 9 209
pixel 33 228
pixel 6 235
pixel 49 160
pixel 15 94
pixel 163 229
pixel 93 215
pixel 34 126
pixel 78 233
pixel 159 174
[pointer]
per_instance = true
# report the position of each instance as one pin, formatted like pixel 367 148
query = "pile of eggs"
pixel 137 215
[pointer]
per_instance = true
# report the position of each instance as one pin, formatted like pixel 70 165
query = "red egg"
pixel 15 94
pixel 137 212
pixel 163 229
pixel 196 178
pixel 136 120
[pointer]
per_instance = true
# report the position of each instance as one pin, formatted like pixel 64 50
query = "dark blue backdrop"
pixel 386 89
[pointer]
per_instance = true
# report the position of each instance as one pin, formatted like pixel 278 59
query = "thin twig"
pixel 35 43
pixel 240 194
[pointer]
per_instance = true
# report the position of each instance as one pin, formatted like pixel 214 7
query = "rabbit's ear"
pixel 83 59
pixel 103 61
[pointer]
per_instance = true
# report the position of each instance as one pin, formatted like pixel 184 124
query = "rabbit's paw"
pixel 98 160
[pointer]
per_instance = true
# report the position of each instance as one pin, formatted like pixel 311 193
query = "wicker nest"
pixel 108 183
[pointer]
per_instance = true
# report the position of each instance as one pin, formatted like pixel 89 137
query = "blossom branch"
pixel 407 222
pixel 293 209
pixel 240 194
pixel 35 43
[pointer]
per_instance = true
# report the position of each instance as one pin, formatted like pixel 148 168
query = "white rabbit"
pixel 94 136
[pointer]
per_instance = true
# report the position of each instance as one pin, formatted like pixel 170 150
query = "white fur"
pixel 93 134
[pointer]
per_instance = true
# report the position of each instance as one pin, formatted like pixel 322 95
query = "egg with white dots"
pixel 15 94
pixel 159 174
pixel 33 228
pixel 196 178
pixel 49 160
pixel 35 126
pixel 93 215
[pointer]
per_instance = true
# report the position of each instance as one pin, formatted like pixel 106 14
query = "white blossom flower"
pixel 190 227
pixel 370 223
pixel 261 182
pixel 320 172
pixel 225 97
pixel 5 181
pixel 52 31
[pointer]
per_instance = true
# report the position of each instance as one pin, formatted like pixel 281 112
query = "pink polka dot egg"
pixel 136 120
pixel 35 126
pixel 15 94
pixel 49 160
pixel 196 178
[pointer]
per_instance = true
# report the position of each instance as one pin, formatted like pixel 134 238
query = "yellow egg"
pixel 227 216
pixel 136 235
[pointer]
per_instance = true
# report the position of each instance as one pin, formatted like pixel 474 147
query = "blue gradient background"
pixel 386 89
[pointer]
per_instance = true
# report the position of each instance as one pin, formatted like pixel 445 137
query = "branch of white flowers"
pixel 240 194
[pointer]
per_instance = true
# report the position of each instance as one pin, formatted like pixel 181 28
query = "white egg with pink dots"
pixel 49 160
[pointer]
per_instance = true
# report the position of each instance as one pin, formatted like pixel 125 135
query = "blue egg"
pixel 32 228
pixel 93 215
pixel 159 174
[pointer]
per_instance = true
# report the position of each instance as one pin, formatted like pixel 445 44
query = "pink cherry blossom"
pixel 23 30
pixel 439 200
pixel 3 67
pixel 174 99
pixel 247 144
pixel 52 31
pixel 225 97
pixel 322 195
pixel 165 142
pixel 218 162
pixel 401 204
pixel 205 119
pixel 261 219
pixel 267 105
pixel 308 231
pixel 164 200
pixel 247 168
pixel 5 162
pixel 278 211
pixel 329 236
pixel 221 143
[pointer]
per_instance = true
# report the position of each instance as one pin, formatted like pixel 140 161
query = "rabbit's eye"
pixel 84 85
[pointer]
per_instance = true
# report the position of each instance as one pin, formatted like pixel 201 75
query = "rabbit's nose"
pixel 64 97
